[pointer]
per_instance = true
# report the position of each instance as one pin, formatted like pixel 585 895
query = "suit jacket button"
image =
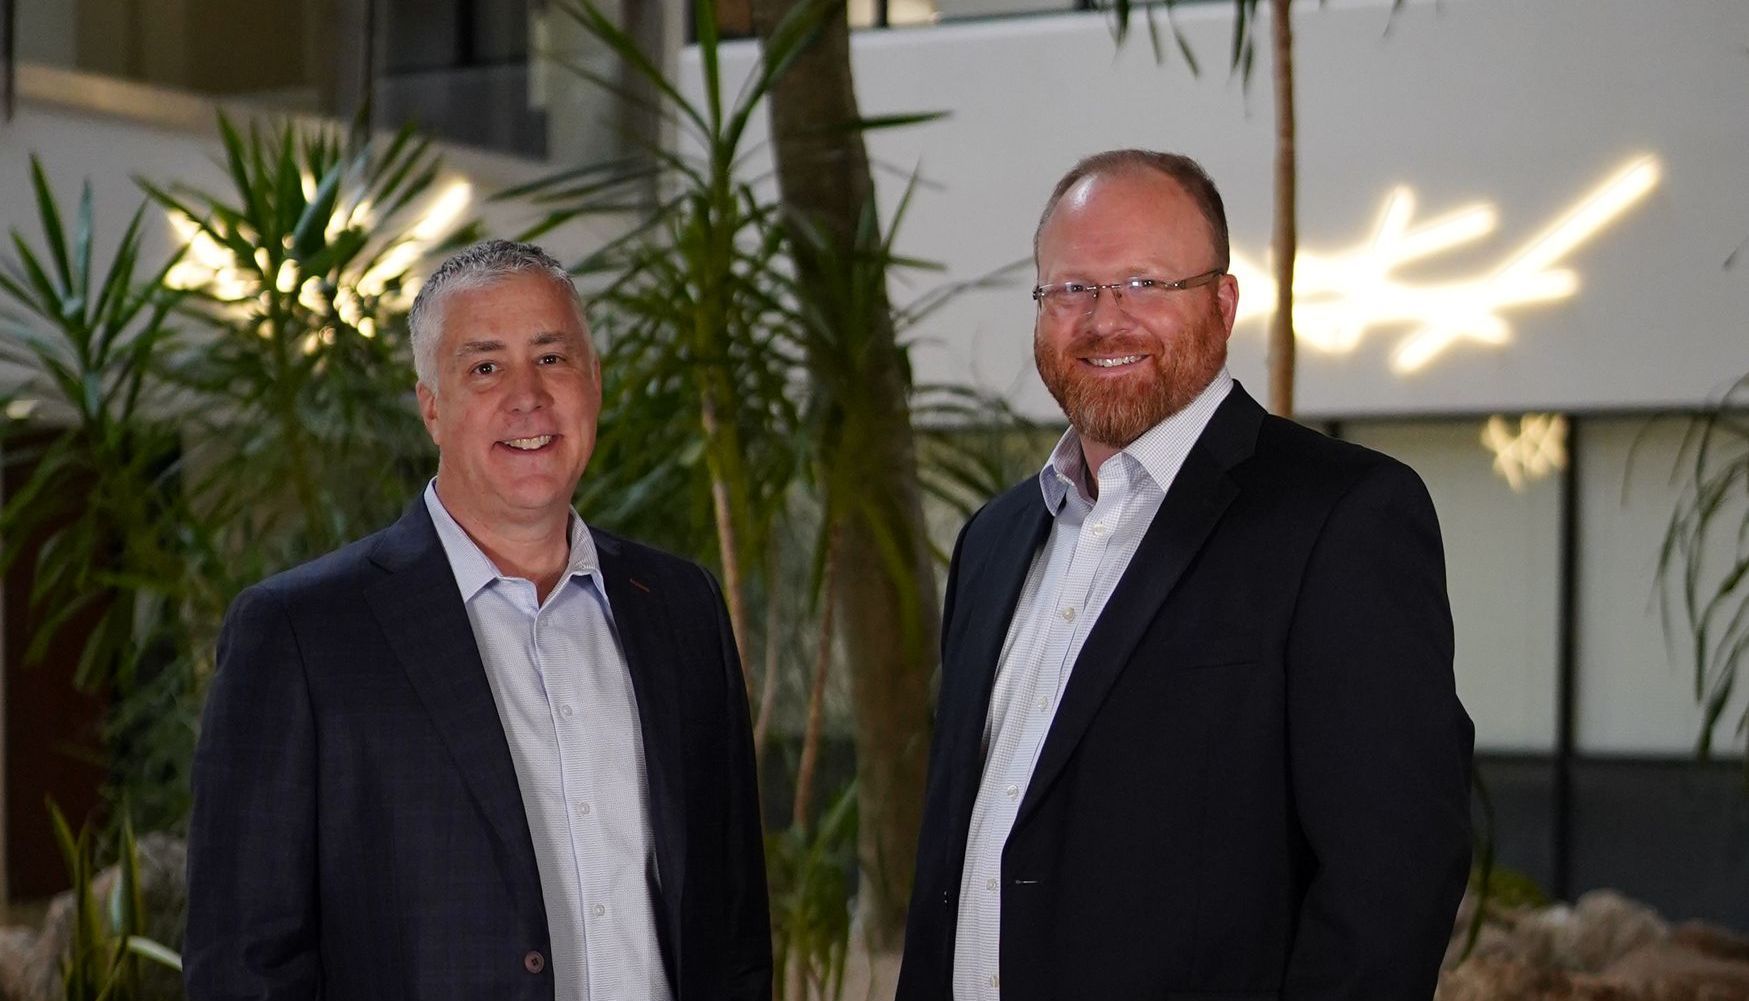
pixel 533 961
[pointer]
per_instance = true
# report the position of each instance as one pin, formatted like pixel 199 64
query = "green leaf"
pixel 312 225
pixel 50 215
pixel 155 951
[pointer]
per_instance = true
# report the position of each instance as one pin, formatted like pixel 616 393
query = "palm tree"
pixel 886 602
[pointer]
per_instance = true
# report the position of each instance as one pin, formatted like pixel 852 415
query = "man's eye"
pixel 1073 288
pixel 1140 284
pixel 485 368
pixel 550 359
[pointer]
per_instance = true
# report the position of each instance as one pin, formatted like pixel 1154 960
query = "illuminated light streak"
pixel 431 227
pixel 211 267
pixel 1536 449
pixel 1342 296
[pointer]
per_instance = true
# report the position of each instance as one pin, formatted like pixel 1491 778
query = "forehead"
pixel 1131 214
pixel 517 307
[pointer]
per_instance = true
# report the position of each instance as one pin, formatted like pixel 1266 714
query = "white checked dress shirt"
pixel 564 695
pixel 1090 545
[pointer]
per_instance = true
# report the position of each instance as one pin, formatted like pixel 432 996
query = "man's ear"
pixel 428 410
pixel 1227 296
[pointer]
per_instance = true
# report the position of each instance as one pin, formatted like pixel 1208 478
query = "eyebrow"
pixel 541 339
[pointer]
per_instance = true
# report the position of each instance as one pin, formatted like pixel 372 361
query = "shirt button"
pixel 1099 529
pixel 989 884
pixel 598 910
pixel 996 981
pixel 1013 792
pixel 1044 704
pixel 533 961
pixel 1068 614
pixel 565 711
pixel 585 809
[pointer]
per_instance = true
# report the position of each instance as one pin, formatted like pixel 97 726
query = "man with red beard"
pixel 1197 732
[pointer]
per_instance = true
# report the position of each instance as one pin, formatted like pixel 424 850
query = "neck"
pixel 537 550
pixel 1093 455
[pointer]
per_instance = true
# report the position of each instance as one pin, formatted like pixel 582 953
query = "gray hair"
pixel 1187 172
pixel 478 266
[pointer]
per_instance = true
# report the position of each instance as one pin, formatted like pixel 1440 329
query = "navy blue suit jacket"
pixel 358 831
pixel 1256 784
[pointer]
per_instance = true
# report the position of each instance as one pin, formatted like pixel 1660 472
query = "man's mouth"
pixel 1114 361
pixel 528 444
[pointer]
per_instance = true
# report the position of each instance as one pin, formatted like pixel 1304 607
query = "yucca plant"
pixel 102 497
pixel 810 871
pixel 699 377
pixel 300 273
pixel 107 941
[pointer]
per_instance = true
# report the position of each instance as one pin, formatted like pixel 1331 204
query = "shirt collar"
pixel 474 570
pixel 1160 450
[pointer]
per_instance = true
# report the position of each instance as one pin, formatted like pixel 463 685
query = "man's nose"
pixel 1108 311
pixel 527 390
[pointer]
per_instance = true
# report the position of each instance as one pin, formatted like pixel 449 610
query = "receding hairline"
pixel 1185 173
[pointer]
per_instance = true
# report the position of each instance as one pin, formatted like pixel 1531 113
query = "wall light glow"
pixel 1536 449
pixel 210 266
pixel 1342 295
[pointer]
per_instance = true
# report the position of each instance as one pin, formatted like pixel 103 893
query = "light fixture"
pixel 1537 448
pixel 1342 296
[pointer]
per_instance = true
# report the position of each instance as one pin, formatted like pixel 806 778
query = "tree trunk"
pixel 1281 328
pixel 886 600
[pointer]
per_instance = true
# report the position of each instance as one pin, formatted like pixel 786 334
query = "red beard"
pixel 1116 411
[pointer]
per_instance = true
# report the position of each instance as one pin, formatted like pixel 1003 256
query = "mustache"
pixel 1093 345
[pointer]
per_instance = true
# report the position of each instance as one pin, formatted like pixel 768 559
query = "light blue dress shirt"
pixel 564 694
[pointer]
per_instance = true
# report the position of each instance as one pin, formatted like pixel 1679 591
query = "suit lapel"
pixel 640 616
pixel 1193 505
pixel 420 611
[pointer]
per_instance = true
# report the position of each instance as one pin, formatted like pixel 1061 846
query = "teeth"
pixel 1115 362
pixel 529 444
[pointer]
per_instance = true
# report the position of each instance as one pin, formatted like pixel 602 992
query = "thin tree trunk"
pixel 723 450
pixel 1281 328
pixel 773 654
pixel 886 603
pixel 816 724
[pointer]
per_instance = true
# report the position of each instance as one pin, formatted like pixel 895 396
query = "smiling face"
pixel 1122 367
pixel 518 395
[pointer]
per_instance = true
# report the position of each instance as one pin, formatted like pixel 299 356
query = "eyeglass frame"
pixel 1194 281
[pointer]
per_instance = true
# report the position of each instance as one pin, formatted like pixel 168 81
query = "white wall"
pixel 1635 689
pixel 1523 105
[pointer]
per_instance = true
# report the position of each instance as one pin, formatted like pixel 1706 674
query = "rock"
pixel 1604 948
pixel 16 945
pixel 1497 979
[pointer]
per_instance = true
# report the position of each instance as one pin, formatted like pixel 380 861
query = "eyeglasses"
pixel 1072 298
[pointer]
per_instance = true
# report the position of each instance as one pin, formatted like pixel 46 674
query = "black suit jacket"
pixel 1256 783
pixel 358 831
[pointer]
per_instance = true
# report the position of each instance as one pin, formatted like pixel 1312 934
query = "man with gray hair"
pixel 489 751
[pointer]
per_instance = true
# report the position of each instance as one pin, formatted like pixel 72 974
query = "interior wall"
pixel 1522 108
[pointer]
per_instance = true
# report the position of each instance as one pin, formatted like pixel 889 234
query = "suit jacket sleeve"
pixel 1379 749
pixel 253 927
pixel 748 937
